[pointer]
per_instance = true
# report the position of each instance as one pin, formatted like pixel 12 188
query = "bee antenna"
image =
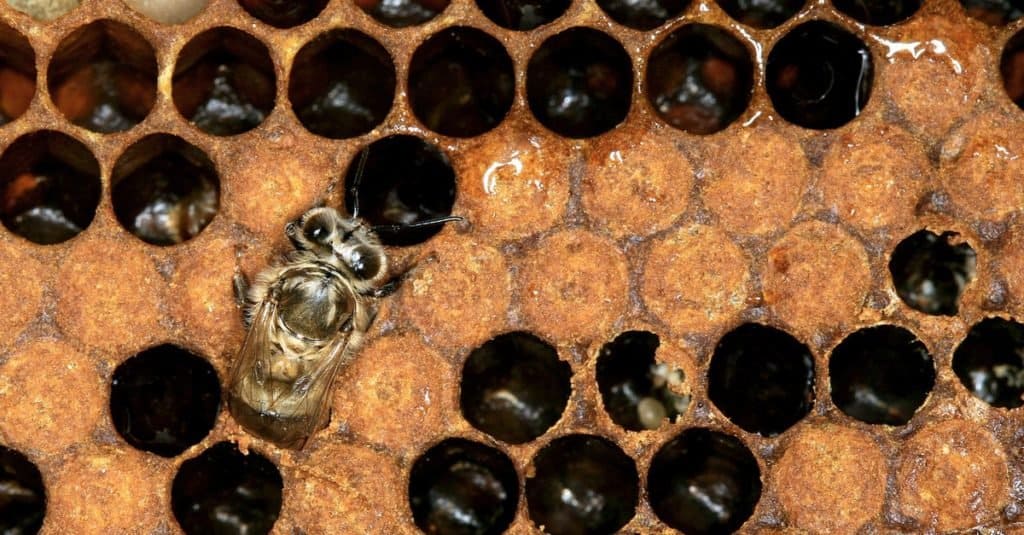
pixel 353 190
pixel 398 227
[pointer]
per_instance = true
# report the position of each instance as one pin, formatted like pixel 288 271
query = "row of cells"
pixel 515 388
pixel 165 190
pixel 530 14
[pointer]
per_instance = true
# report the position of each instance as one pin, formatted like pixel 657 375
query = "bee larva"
pixel 306 317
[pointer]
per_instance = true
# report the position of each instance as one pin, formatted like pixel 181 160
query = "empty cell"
pixel 761 14
pixel 224 82
pixel 164 400
pixel 22 494
pixel 514 387
pixel 704 482
pixel 523 14
pixel 402 13
pixel 49 187
pixel 1011 66
pixel 990 362
pixel 460 487
pixel 638 392
pixel 400 181
pixel 103 77
pixel 994 12
pixel 878 12
pixel 582 485
pixel 284 13
pixel 223 490
pixel 165 190
pixel 17 74
pixel 168 11
pixel 643 14
pixel 579 83
pixel 461 82
pixel 930 272
pixel 700 78
pixel 342 84
pixel 819 75
pixel 761 378
pixel 881 375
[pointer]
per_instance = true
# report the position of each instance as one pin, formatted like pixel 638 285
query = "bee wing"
pixel 253 361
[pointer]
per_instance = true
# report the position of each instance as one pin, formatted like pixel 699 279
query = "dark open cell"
pixel 514 388
pixel 49 187
pixel 224 491
pixel 461 82
pixel 1011 65
pixel 881 375
pixel 402 13
pixel 704 482
pixel 994 12
pixel 22 494
pixel 878 12
pixel 523 14
pixel 637 391
pixel 460 487
pixel 990 362
pixel 342 84
pixel 761 13
pixel 224 82
pixel 401 180
pixel 582 485
pixel 17 74
pixel 819 75
pixel 700 78
pixel 642 14
pixel 165 190
pixel 761 378
pixel 579 83
pixel 164 400
pixel 284 13
pixel 103 77
pixel 930 273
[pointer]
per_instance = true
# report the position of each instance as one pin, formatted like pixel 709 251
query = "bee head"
pixel 325 232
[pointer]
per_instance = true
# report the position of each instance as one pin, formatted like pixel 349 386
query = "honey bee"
pixel 307 316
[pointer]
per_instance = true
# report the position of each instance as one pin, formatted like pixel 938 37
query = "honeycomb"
pixel 723 266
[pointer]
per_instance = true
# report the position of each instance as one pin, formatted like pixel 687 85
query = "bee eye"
pixel 316 232
pixel 365 263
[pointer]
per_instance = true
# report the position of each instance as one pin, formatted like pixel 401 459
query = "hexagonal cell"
pixel 402 13
pixel 460 486
pixel 1011 66
pixel 44 10
pixel 164 400
pixel 700 78
pixel 881 375
pixel 819 75
pixel 22 494
pixel 342 84
pixel 17 74
pixel 579 83
pixel 514 387
pixel 990 362
pixel 638 392
pixel 284 13
pixel 930 272
pixel 704 482
pixel 523 15
pixel 994 12
pixel 642 15
pixel 761 14
pixel 224 82
pixel 223 491
pixel 582 484
pixel 49 187
pixel 168 11
pixel 165 190
pixel 461 82
pixel 761 378
pixel 103 77
pixel 402 185
pixel 878 12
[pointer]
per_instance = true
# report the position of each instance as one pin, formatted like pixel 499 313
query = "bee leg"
pixel 388 287
pixel 292 231
pixel 241 287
